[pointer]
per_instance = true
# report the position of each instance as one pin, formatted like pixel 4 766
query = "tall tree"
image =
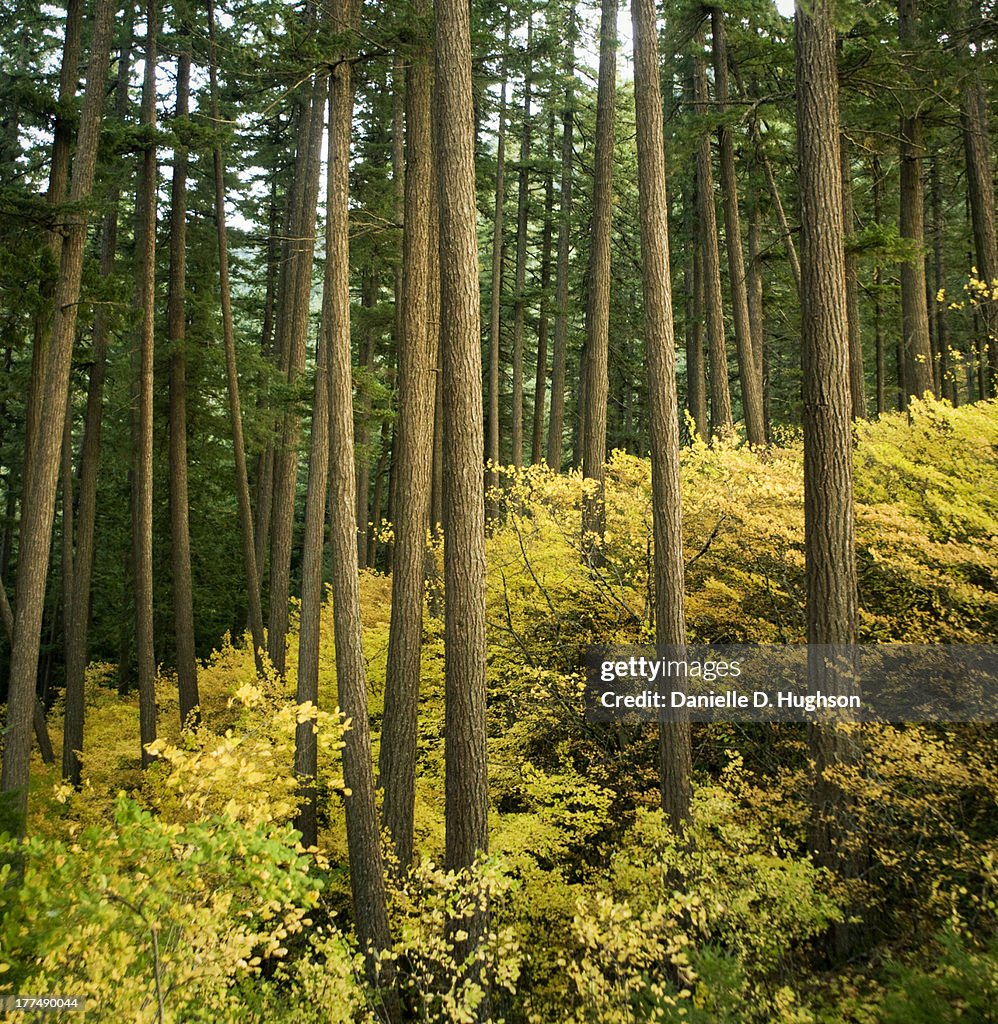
pixel 675 758
pixel 295 292
pixel 857 376
pixel 180 531
pixel 38 513
pixel 466 784
pixel 307 683
pixel 547 237
pixel 250 568
pixel 142 524
pixel 914 314
pixel 78 613
pixel 981 196
pixel 495 311
pixel 413 462
pixel 720 395
pixel 520 271
pixel 556 419
pixel 751 380
pixel 597 383
pixel 829 547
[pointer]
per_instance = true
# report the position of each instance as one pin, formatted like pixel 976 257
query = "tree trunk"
pixel 367 881
pixel 675 762
pixel 78 613
pixel 38 513
pixel 720 395
pixel 757 315
pixel 292 336
pixel 749 375
pixel 413 466
pixel 466 784
pixel 981 196
pixel 307 691
pixel 878 329
pixel 495 310
pixel 857 376
pixel 556 420
pixel 145 248
pixel 597 384
pixel 180 534
pixel 946 381
pixel 696 382
pixel 520 272
pixel 369 299
pixel 541 376
pixel 830 560
pixel 250 567
pixel 914 315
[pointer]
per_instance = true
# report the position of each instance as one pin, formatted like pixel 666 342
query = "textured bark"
pixel 369 299
pixel 757 314
pixel 466 783
pixel 547 237
pixel 180 533
pixel 857 377
pixel 520 271
pixel 38 513
pixel 946 382
pixel 413 465
pixel 749 374
pixel 675 763
pixel 62 137
pixel 292 335
pixel 250 568
pixel 981 196
pixel 696 381
pixel 556 420
pixel 367 881
pixel 78 612
pixel 914 315
pixel 830 561
pixel 495 311
pixel 307 686
pixel 380 472
pixel 597 383
pixel 877 303
pixel 145 249
pixel 720 395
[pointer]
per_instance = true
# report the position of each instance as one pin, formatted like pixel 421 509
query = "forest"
pixel 366 365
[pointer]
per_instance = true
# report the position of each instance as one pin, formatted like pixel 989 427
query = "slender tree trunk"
pixel 830 560
pixel 878 328
pixel 180 533
pixel 78 613
pixel 62 138
pixel 367 881
pixel 547 236
pixel 142 493
pixel 307 691
pixel 981 196
pixel 946 382
pixel 757 315
pixel 413 466
pixel 750 377
pixel 369 299
pixel 294 321
pixel 675 762
pixel 597 384
pixel 857 376
pixel 914 315
pixel 466 784
pixel 495 310
pixel 520 273
pixel 720 395
pixel 696 382
pixel 556 421
pixel 250 567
